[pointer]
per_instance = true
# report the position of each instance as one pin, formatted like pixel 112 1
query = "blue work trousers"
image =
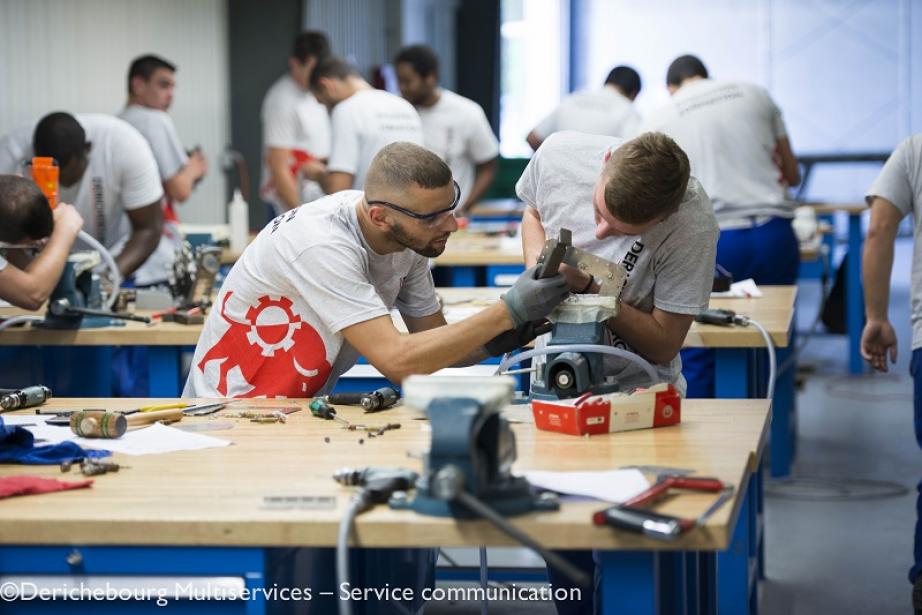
pixel 767 253
pixel 915 369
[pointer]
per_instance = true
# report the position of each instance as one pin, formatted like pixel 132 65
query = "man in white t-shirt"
pixel 454 127
pixel 316 288
pixel 28 219
pixel 106 170
pixel 607 111
pixel 632 202
pixel 363 121
pixel 296 128
pixel 895 194
pixel 151 81
pixel 738 146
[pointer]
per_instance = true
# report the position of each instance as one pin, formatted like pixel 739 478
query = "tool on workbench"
pixel 93 467
pixel 115 424
pixel 193 274
pixel 192 316
pixel 157 407
pixel 204 409
pixel 14 399
pixel 375 401
pixel 323 410
pixel 633 515
pixel 576 351
pixel 467 472
pixel 729 318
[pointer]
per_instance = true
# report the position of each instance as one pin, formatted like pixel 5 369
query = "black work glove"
pixel 513 339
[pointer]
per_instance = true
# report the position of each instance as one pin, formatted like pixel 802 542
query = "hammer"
pixel 103 424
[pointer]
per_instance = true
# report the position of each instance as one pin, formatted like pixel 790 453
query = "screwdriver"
pixel 323 410
pixel 378 400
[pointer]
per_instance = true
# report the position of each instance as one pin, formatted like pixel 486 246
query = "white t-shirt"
pixel 293 119
pixel 363 124
pixel 599 112
pixel 457 129
pixel 2 263
pixel 275 329
pixel 122 175
pixel 670 267
pixel 900 182
pixel 157 128
pixel 729 131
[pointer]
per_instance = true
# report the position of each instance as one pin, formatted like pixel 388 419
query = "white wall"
pixel 74 55
pixel 843 73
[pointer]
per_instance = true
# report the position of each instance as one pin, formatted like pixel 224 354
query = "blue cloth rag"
pixel 17 445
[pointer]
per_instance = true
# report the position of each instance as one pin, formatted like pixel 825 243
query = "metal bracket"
pixel 610 276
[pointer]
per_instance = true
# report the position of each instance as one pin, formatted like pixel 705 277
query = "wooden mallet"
pixel 104 424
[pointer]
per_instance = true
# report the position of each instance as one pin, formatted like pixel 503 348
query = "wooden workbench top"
pixel 774 311
pixel 131 334
pixel 473 249
pixel 214 497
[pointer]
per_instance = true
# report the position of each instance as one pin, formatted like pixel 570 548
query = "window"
pixel 533 69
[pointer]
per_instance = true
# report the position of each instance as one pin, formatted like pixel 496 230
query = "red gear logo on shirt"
pixel 278 354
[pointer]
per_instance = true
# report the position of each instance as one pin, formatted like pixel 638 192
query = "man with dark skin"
pixel 106 170
pixel 454 127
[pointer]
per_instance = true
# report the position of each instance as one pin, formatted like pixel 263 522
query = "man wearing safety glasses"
pixel 29 223
pixel 316 288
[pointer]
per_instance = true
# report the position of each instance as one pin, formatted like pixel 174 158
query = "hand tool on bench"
pixel 633 515
pixel 96 424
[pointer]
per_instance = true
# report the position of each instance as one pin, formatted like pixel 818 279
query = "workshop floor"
pixel 842 556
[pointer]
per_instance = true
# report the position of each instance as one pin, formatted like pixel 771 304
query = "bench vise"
pixel 472 449
pixel 578 321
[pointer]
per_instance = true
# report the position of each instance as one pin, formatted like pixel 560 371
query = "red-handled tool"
pixel 633 516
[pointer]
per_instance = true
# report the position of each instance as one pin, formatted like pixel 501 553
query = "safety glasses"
pixel 430 219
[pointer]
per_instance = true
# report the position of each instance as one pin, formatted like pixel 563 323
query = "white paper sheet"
pixel 150 440
pixel 613 486
pixel 743 289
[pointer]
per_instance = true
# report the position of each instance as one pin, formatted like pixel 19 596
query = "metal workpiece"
pixel 610 276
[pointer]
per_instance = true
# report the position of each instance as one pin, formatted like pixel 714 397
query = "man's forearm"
pixel 482 180
pixel 286 188
pixel 533 236
pixel 644 334
pixel 140 245
pixel 454 344
pixel 877 263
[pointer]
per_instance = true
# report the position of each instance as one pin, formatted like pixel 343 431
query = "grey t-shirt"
pixel 729 131
pixel 670 267
pixel 158 129
pixel 900 182
pixel 276 327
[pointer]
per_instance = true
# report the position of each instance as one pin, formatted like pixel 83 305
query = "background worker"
pixel 454 127
pixel 315 290
pixel 635 202
pixel 296 128
pixel 28 219
pixel 738 146
pixel 606 111
pixel 363 121
pixel 106 170
pixel 895 194
pixel 151 81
